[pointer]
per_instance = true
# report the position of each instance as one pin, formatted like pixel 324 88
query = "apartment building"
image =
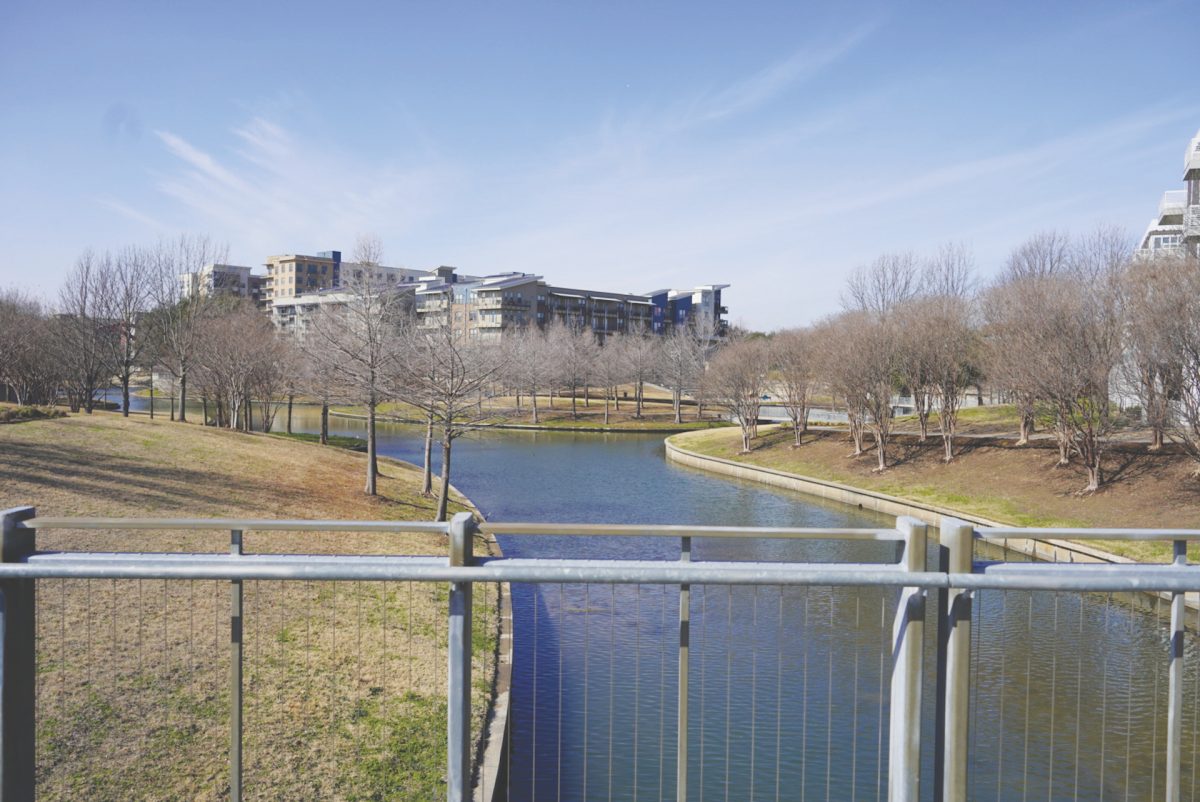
pixel 219 279
pixel 1177 226
pixel 1191 215
pixel 490 306
pixel 297 285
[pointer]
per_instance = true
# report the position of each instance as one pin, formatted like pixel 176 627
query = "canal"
pixel 788 687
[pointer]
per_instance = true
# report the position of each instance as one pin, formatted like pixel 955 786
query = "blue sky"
pixel 622 146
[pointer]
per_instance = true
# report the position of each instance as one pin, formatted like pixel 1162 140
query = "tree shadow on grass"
pixel 78 471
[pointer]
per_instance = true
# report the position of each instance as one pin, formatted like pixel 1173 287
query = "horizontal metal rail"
pixel 433 527
pixel 1023 576
pixel 674 530
pixel 241 524
pixel 1074 533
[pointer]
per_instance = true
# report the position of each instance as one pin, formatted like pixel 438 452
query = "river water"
pixel 788 696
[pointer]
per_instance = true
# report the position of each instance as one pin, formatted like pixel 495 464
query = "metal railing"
pixel 957 580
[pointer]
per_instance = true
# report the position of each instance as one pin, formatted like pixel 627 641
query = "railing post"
pixel 681 724
pixel 908 641
pixel 458 674
pixel 957 539
pixel 235 675
pixel 18 662
pixel 1175 694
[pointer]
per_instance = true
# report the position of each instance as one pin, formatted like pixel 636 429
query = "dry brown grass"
pixel 344 683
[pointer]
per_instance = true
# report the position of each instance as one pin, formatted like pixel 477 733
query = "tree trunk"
pixel 574 405
pixel 443 499
pixel 881 452
pixel 324 423
pixel 677 400
pixel 125 395
pixel 151 392
pixel 427 464
pixel 204 400
pixel 183 395
pixel 587 396
pixel 1094 476
pixel 289 421
pixel 637 394
pixel 372 466
pixel 606 406
pixel 1156 438
pixel 249 403
pixel 533 403
pixel 1026 426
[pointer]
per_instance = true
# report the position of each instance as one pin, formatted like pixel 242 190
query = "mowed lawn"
pixel 1021 486
pixel 344 683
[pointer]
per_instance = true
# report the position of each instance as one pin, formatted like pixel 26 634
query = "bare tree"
pixel 446 369
pixel 681 356
pixel 1041 256
pixel 1150 295
pixel 83 337
pixel 1179 321
pixel 573 349
pixel 243 360
pixel 28 367
pixel 640 350
pixel 794 360
pixel 126 276
pixel 179 319
pixel 737 378
pixel 1075 343
pixel 879 287
pixel 833 343
pixel 357 342
pixel 610 369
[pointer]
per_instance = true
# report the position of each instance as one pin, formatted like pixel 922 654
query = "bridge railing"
pixel 959 578
pixel 23 564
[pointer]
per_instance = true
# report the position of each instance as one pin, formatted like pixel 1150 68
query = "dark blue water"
pixel 788 687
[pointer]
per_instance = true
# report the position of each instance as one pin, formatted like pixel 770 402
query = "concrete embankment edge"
pixel 491 748
pixel 1049 550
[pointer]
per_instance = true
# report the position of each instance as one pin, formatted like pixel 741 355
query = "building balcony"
pixel 432 306
pixel 1191 224
pixel 501 303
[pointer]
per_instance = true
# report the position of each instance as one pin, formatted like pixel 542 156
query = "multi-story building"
pixel 1165 232
pixel 296 285
pixel 493 305
pixel 1177 227
pixel 218 279
pixel 1191 214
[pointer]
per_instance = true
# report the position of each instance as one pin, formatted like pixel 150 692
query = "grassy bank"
pixel 657 414
pixel 344 683
pixel 1018 486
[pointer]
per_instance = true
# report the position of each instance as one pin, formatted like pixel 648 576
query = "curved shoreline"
pixel 1050 550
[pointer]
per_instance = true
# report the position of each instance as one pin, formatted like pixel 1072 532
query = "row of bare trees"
pixel 1067 328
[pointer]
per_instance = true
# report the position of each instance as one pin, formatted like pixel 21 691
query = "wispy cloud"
pixel 274 191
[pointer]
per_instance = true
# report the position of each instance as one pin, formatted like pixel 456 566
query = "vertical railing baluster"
pixel 681 725
pixel 235 674
pixel 1175 693
pixel 458 670
pixel 18 662
pixel 908 639
pixel 957 539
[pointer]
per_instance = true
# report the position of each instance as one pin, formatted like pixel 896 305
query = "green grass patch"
pixel 335 440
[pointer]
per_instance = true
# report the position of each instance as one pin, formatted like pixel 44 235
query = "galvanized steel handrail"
pixel 487 528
